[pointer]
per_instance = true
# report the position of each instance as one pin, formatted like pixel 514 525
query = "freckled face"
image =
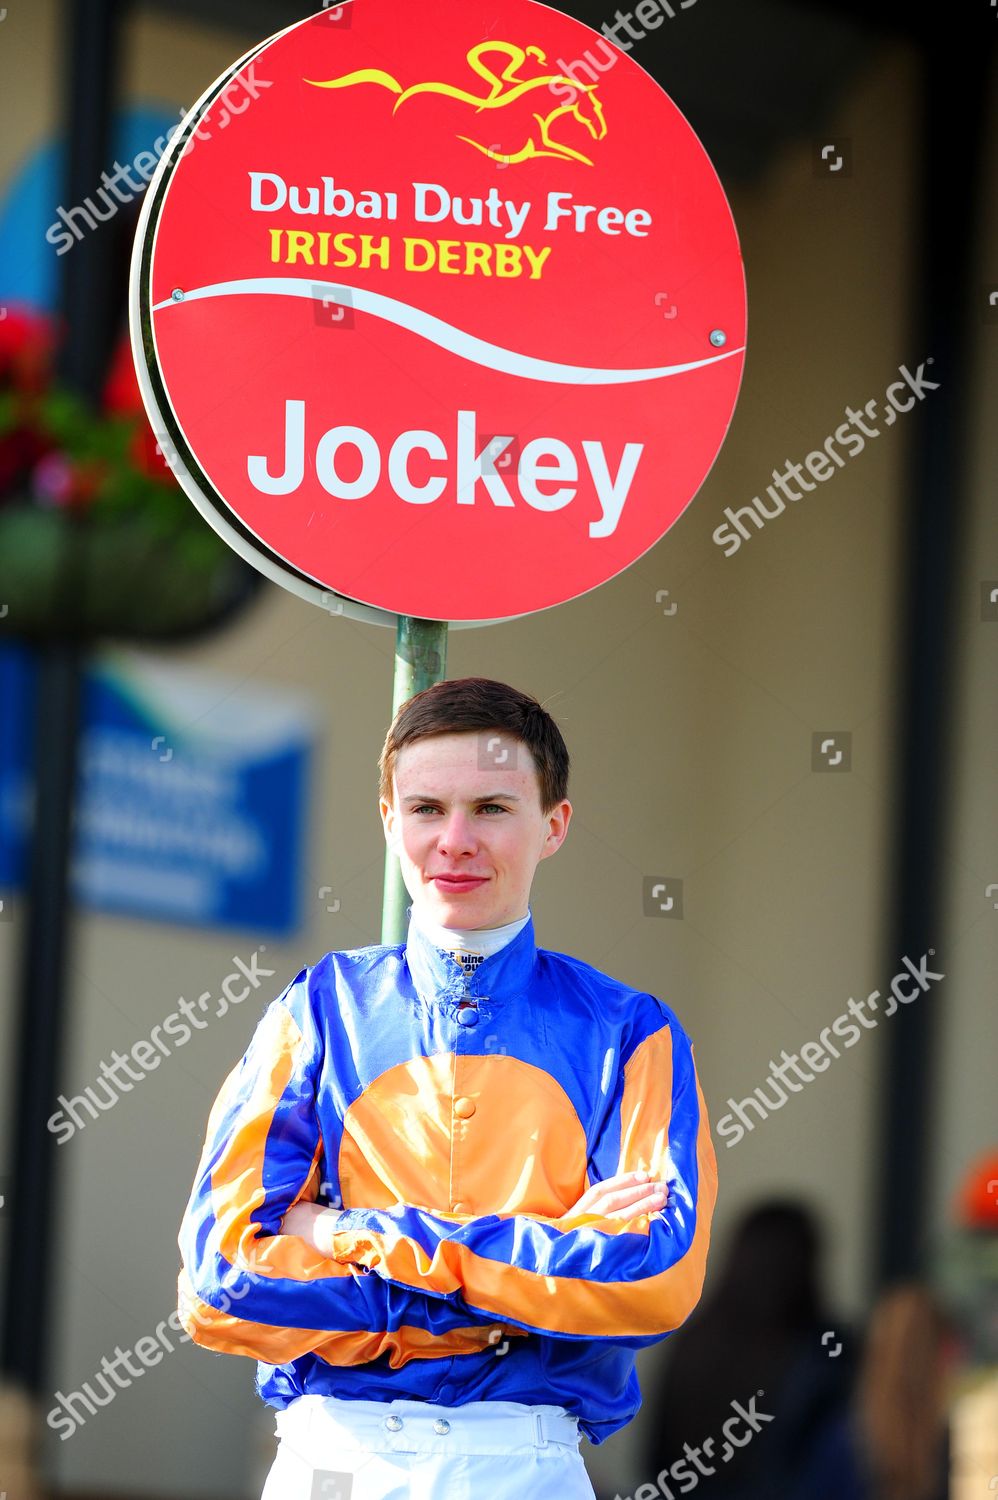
pixel 460 810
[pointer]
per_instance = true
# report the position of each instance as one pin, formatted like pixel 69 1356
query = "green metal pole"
pixel 420 661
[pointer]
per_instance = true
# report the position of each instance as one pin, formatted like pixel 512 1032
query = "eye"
pixel 423 806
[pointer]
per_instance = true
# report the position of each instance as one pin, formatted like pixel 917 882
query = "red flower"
pixel 87 481
pixel 145 454
pixel 27 343
pixel 121 389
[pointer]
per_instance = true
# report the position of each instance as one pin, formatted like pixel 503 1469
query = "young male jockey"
pixel 454 1183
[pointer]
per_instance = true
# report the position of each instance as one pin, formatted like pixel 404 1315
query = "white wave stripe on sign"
pixel 435 330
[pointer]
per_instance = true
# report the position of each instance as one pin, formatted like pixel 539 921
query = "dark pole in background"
pixel 91 33
pixel 936 502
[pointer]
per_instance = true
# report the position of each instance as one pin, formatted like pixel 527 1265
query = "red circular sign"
pixel 443 309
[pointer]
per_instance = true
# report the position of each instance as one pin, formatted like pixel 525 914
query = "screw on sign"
pixel 483 235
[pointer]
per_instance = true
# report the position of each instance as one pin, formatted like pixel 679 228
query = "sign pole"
pixel 420 661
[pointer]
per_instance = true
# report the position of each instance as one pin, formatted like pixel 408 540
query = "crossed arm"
pixel 623 1196
pixel 625 1263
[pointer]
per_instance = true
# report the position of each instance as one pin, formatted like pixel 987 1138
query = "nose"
pixel 457 836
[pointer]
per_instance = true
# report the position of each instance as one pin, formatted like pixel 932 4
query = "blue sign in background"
pixel 192 792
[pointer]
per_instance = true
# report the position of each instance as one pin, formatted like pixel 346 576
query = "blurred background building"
pixel 858 145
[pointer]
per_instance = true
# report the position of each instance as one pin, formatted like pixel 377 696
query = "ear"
pixel 558 821
pixel 389 824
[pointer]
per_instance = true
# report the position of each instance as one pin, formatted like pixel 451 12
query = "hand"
pixel 311 1222
pixel 624 1196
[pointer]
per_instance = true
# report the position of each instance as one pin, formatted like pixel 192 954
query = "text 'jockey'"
pixel 546 461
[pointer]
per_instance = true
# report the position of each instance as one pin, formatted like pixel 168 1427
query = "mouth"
pixel 458 882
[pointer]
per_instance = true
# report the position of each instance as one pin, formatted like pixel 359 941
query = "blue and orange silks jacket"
pixel 457 1115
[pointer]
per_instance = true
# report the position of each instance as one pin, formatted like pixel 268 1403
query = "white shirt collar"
pixel 483 940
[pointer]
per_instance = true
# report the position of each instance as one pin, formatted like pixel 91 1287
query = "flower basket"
pixel 97 539
pixel 64 575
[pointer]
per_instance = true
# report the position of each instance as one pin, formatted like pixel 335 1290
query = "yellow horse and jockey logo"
pixel 522 97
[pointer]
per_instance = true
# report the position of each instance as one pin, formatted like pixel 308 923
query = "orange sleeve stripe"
pixel 237 1189
pixel 227 1334
pixel 646 1107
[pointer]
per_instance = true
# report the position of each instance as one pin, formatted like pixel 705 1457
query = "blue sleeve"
pixel 245 1288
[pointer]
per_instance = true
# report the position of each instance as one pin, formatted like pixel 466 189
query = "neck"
pixel 477 939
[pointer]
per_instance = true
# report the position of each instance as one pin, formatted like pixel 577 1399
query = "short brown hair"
pixel 465 704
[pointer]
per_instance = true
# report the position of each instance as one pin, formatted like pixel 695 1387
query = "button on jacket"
pixel 457 1114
